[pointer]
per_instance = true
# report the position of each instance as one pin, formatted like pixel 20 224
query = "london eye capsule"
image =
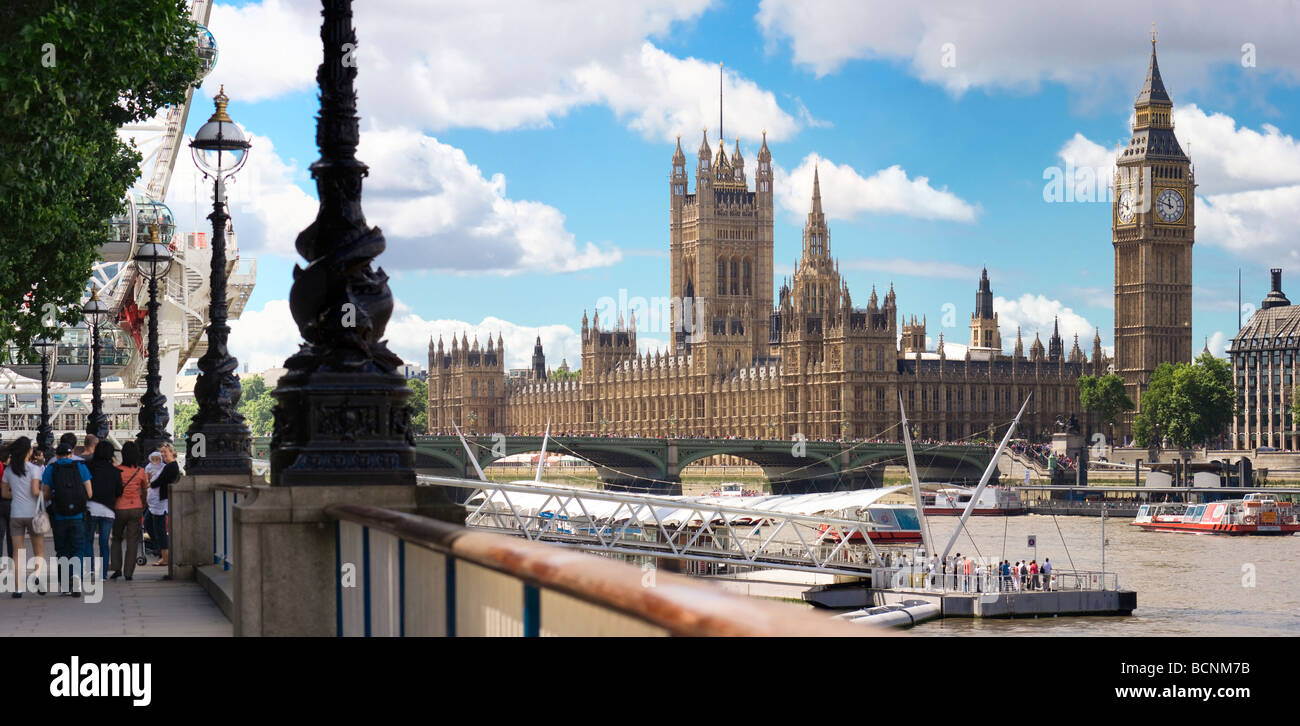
pixel 205 46
pixel 149 212
pixel 121 233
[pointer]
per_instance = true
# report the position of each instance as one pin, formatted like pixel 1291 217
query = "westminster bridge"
pixel 655 464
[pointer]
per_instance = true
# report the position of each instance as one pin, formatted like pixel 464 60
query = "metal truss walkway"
pixel 754 531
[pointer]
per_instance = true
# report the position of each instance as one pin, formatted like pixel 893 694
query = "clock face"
pixel 1126 206
pixel 1169 205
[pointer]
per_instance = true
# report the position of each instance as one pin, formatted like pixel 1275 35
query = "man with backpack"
pixel 67 484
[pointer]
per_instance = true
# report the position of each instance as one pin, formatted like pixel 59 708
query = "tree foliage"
pixel 256 403
pixel 1186 403
pixel 1104 397
pixel 72 73
pixel 182 415
pixel 419 405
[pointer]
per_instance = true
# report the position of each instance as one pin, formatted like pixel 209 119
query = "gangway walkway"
pixel 779 532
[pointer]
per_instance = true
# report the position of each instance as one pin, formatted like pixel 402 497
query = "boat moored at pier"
pixel 1256 514
pixel 993 501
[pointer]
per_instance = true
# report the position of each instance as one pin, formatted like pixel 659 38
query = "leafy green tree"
pixel 1187 403
pixel 571 375
pixel 71 73
pixel 182 415
pixel 419 405
pixel 257 404
pixel 1104 397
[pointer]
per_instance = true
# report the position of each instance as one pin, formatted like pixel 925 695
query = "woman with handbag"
pixel 129 508
pixel 27 516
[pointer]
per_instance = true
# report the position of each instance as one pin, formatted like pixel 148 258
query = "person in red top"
pixel 128 511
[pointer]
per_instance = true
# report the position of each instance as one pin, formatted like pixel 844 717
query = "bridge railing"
pixel 401 574
pixel 224 499
pixel 670 528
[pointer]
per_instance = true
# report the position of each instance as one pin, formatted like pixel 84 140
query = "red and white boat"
pixel 1256 514
pixel 894 524
pixel 953 501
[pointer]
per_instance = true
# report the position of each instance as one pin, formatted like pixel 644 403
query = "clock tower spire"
pixel 1152 232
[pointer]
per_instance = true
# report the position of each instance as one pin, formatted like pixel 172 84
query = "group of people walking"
pixel 89 496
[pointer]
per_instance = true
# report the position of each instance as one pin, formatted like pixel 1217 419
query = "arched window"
pixel 857 358
pixel 473 389
pixel 735 277
pixel 747 288
pixel 722 277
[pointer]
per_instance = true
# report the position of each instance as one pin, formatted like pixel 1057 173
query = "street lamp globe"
pixel 95 312
pixel 219 147
pixel 153 259
pixel 44 345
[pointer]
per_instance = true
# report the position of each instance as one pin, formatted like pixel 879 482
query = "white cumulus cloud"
pixel 498 64
pixel 1021 43
pixel 1036 315
pixel 846 193
pixel 438 211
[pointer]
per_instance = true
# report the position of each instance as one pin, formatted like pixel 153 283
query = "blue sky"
pixel 520 154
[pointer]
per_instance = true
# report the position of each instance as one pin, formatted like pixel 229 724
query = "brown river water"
pixel 1186 584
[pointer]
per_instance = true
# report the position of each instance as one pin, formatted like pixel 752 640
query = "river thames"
pixel 1186 584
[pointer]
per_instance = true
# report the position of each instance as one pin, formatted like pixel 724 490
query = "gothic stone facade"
pixel 812 364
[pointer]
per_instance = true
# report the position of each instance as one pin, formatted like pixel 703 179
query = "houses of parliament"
pixel 812 362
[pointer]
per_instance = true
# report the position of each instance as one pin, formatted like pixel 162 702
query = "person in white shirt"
pixel 21 483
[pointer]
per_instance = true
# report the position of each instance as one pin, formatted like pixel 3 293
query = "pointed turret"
pixel 1055 346
pixel 984 297
pixel 1036 350
pixel 1020 344
pixel 763 177
pixel 679 158
pixel 817 192
pixel 539 360
pixel 1076 355
pixel 705 151
pixel 1153 89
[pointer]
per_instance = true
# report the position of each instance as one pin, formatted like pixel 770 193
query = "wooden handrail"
pixel 674 602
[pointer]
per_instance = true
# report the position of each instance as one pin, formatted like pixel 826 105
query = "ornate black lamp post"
pixel 218 441
pixel 153 260
pixel 95 313
pixel 44 434
pixel 341 414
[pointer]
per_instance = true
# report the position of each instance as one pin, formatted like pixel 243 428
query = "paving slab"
pixel 147 605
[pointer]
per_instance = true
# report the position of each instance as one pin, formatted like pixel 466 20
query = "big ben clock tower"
pixel 1152 231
